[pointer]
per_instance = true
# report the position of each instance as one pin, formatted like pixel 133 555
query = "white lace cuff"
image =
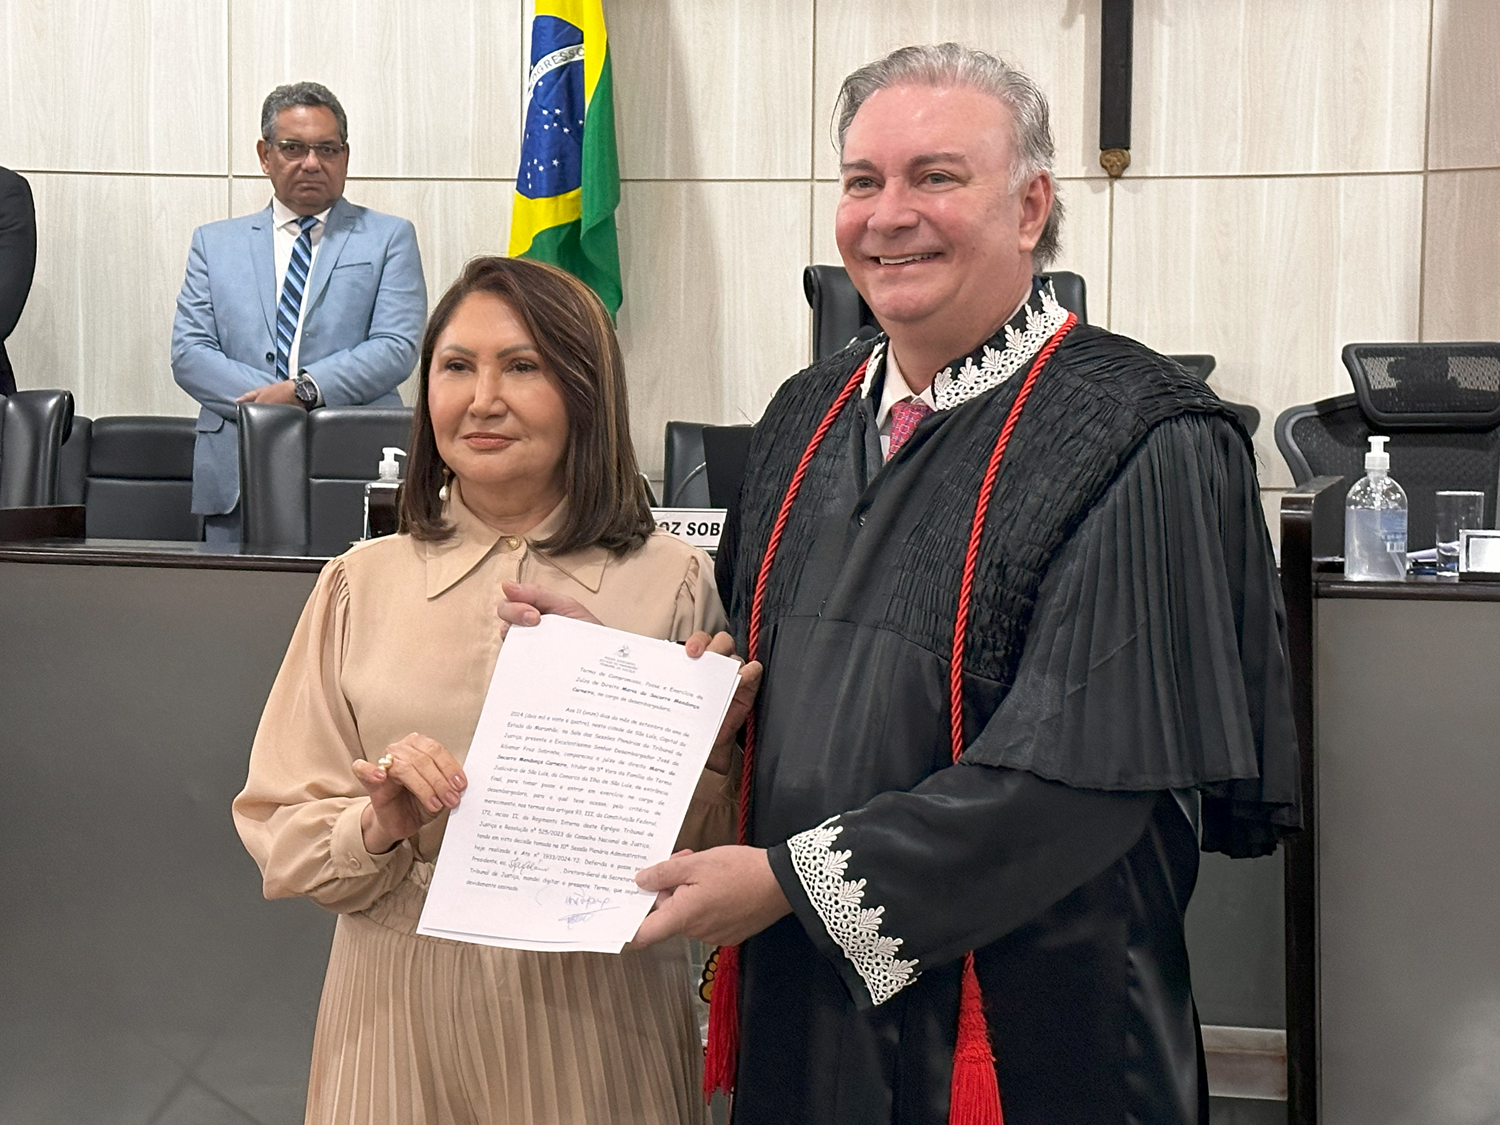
pixel 854 928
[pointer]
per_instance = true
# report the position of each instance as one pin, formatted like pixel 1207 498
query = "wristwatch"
pixel 305 390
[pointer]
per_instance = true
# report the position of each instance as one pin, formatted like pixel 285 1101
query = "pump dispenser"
pixel 381 517
pixel 389 469
pixel 1375 521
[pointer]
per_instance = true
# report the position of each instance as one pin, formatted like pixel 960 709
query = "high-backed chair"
pixel 840 313
pixel 1071 293
pixel 1438 403
pixel 73 462
pixel 33 427
pixel 725 450
pixel 134 474
pixel 343 455
pixel 302 475
pixel 684 468
pixel 273 475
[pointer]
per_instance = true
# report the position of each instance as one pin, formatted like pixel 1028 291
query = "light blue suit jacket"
pixel 365 302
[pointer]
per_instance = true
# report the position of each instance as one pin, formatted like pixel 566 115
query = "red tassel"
pixel 974 1098
pixel 975 1095
pixel 723 1051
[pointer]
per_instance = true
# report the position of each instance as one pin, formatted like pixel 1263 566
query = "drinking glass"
pixel 1455 512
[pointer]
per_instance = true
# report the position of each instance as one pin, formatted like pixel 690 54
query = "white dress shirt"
pixel 284 220
pixel 896 389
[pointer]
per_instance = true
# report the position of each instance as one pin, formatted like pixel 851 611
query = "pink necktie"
pixel 905 418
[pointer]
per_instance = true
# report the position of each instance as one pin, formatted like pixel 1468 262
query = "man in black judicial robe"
pixel 1125 686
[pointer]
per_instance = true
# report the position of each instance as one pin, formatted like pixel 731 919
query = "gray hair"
pixel 950 64
pixel 300 93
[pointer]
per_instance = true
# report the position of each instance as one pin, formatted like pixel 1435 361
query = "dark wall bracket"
pixel 1116 32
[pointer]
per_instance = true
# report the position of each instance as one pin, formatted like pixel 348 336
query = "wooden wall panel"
pixel 1461 297
pixel 1233 231
pixel 430 89
pixel 104 86
pixel 713 91
pixel 1245 87
pixel 1464 107
pixel 714 319
pixel 1272 276
pixel 99 318
pixel 1056 43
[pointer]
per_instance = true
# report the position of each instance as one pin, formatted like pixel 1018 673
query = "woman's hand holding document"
pixel 586 755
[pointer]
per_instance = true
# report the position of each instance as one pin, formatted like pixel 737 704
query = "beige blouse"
pixel 401 636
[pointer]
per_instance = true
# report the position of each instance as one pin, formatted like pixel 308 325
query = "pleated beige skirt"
pixel 421 1031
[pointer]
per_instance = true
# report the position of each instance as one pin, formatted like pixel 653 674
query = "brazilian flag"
pixel 568 185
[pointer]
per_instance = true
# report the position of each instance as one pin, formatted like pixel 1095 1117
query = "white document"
pixel 587 753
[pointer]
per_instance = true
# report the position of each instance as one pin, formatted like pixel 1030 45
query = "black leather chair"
pixel 1438 403
pixel 684 468
pixel 273 475
pixel 725 450
pixel 343 455
pixel 73 462
pixel 1072 293
pixel 840 313
pixel 33 427
pixel 134 474
pixel 302 475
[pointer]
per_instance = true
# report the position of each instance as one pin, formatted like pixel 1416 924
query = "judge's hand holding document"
pixel 745 897
pixel 522 494
pixel 718 896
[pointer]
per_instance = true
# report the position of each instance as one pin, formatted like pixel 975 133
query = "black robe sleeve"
pixel 1156 653
pixel 1154 662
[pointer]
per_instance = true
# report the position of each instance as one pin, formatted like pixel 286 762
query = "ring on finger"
pixel 386 761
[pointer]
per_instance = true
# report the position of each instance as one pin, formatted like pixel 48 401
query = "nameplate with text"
pixel 699 526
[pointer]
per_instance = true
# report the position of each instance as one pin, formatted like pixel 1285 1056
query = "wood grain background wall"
pixel 1305 172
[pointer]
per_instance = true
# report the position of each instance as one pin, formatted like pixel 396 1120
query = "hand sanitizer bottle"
pixel 381 517
pixel 1375 522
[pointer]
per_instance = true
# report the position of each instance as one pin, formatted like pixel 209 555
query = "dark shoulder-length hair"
pixel 608 504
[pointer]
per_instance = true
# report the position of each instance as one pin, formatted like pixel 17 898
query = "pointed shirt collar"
pixel 281 214
pixel 473 541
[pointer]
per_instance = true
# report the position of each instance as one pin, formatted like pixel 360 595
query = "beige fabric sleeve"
pixel 712 811
pixel 299 812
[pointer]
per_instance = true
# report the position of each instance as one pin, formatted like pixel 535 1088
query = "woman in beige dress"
pixel 522 486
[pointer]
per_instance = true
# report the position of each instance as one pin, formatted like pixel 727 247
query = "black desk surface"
pixel 1331 583
pixel 168 553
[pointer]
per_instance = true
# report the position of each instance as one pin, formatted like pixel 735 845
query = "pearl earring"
pixel 443 491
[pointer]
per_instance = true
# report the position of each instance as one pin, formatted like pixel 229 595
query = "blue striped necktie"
pixel 291 295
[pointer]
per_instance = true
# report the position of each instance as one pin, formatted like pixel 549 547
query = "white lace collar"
pixel 996 365
pixel 1043 316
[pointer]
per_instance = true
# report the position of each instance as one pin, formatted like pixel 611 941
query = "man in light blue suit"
pixel 313 300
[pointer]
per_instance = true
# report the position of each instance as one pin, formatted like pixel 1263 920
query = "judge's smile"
pixel 907 259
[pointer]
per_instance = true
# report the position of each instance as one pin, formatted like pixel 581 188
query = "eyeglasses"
pixel 296 151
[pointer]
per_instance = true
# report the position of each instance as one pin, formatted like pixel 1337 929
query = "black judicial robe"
pixel 1127 673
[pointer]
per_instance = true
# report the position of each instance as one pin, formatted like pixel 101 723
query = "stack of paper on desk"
pixel 587 753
